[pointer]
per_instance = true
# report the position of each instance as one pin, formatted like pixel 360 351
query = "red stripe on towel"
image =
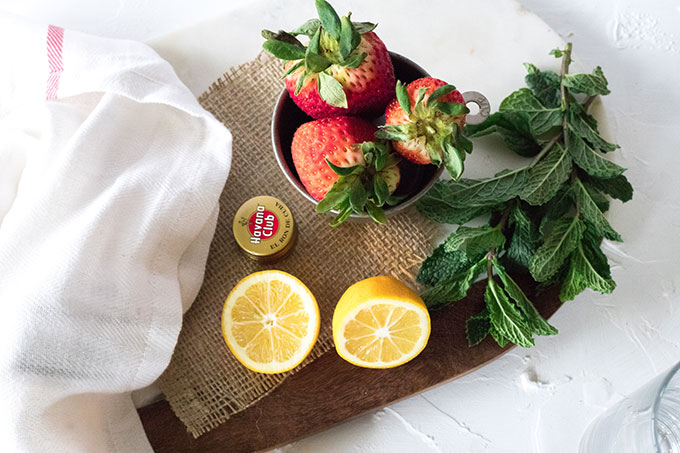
pixel 55 41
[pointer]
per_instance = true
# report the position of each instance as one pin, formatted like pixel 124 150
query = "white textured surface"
pixel 529 400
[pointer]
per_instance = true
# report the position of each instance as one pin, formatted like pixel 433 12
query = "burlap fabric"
pixel 204 384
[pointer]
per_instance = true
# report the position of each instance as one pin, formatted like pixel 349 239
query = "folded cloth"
pixel 110 173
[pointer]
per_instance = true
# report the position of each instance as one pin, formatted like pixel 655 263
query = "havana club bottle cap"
pixel 264 229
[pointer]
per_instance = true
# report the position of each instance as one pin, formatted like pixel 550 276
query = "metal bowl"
pixel 416 179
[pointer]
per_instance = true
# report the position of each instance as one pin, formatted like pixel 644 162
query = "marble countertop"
pixel 537 400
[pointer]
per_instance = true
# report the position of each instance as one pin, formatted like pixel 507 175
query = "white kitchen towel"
pixel 110 173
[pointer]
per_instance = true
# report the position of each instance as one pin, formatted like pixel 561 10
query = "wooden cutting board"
pixel 475 45
pixel 330 391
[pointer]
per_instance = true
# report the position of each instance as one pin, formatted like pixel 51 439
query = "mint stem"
pixel 566 60
pixel 545 150
pixel 587 102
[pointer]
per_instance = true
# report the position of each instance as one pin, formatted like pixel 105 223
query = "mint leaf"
pixel 617 187
pixel 560 204
pixel 436 204
pixel 498 338
pixel 588 132
pixel 591 247
pixel 591 212
pixel 441 264
pixel 533 318
pixel 524 239
pixel 589 84
pixel 513 129
pixel 545 179
pixel 557 52
pixel 474 240
pixel 329 18
pixel 284 50
pixel 545 85
pixel 504 316
pixel 453 288
pixel 331 91
pixel 557 246
pixel 583 274
pixel 590 160
pixel 541 119
pixel 600 200
pixel 485 192
pixel 477 328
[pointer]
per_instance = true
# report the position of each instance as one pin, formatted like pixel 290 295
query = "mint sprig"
pixel 363 189
pixel 546 217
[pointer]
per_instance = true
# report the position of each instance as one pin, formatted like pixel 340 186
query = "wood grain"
pixel 330 391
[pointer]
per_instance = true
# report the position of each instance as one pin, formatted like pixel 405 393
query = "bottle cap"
pixel 264 229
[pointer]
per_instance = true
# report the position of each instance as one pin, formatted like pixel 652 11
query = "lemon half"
pixel 270 321
pixel 380 323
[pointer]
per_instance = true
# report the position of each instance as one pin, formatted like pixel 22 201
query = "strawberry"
pixel 340 165
pixel 425 124
pixel 344 70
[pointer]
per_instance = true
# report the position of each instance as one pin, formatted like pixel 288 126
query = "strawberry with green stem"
pixel 339 164
pixel 425 124
pixel 344 70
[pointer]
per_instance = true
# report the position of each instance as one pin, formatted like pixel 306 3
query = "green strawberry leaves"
pixel 403 98
pixel 332 41
pixel 434 120
pixel 284 50
pixel 309 28
pixel 362 189
pixel 331 91
pixel 546 217
pixel 349 37
pixel 330 20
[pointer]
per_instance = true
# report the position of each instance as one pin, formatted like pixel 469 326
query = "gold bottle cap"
pixel 264 229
